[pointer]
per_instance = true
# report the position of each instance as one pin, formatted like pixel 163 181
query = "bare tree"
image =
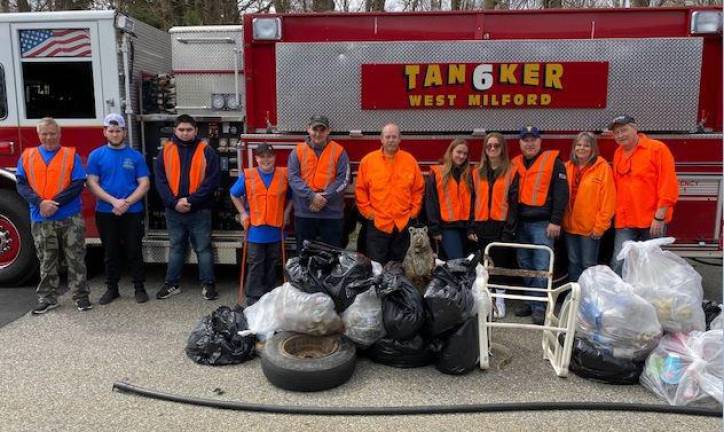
pixel 375 5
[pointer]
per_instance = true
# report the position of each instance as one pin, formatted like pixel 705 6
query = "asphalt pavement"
pixel 57 371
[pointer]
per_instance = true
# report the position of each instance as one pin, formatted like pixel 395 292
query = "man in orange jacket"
pixel 646 185
pixel 388 191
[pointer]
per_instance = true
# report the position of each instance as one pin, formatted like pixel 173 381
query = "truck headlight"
pixel 706 22
pixel 267 28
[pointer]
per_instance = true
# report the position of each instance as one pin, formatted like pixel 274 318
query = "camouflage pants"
pixel 50 238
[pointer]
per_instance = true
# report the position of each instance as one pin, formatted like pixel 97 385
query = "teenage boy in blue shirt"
pixel 263 199
pixel 118 176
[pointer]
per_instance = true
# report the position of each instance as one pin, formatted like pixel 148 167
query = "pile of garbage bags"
pixel 215 339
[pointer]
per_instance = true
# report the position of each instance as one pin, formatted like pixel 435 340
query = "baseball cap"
pixel 264 148
pixel 529 131
pixel 319 121
pixel 113 117
pixel 620 121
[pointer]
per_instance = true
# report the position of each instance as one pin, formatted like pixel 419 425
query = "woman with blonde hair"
pixel 448 199
pixel 495 186
pixel 591 204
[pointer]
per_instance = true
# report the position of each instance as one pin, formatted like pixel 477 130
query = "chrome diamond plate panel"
pixel 654 80
pixel 212 55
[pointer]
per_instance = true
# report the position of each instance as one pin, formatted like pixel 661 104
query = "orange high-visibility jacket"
pixel 318 173
pixel 453 199
pixel 266 206
pixel 48 180
pixel 645 181
pixel 389 190
pixel 172 166
pixel 595 200
pixel 536 179
pixel 494 207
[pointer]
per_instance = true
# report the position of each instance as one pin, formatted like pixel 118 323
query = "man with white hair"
pixel 51 177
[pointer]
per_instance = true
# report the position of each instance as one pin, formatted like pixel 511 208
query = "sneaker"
pixel 83 304
pixel 167 291
pixel 209 292
pixel 523 311
pixel 44 307
pixel 110 295
pixel 500 308
pixel 141 296
pixel 539 317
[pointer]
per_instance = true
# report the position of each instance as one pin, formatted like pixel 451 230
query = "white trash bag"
pixel 363 319
pixel 718 322
pixel 480 293
pixel 613 318
pixel 287 308
pixel 687 368
pixel 666 281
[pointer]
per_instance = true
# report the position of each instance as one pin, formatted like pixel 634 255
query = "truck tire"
pixel 305 363
pixel 18 262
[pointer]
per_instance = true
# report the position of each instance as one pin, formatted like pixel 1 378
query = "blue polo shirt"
pixel 67 210
pixel 118 171
pixel 260 233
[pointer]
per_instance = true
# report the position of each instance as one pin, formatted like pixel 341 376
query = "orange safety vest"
pixel 172 166
pixel 494 206
pixel 454 199
pixel 535 180
pixel 48 180
pixel 318 173
pixel 591 210
pixel 266 205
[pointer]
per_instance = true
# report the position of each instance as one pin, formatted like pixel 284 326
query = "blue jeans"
pixel 197 227
pixel 453 242
pixel 582 254
pixel 328 231
pixel 622 235
pixel 534 233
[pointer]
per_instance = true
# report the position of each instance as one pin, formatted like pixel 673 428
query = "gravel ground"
pixel 57 371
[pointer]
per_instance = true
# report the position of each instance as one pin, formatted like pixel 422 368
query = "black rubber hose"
pixel 701 261
pixel 416 410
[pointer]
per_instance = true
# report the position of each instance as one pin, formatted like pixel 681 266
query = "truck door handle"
pixel 7 148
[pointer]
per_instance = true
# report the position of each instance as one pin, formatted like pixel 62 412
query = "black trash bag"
pixel 324 268
pixel 298 275
pixel 711 311
pixel 404 354
pixel 459 353
pixel 215 339
pixel 449 297
pixel 403 310
pixel 350 268
pixel 589 362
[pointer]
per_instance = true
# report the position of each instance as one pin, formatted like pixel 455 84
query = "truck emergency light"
pixel 267 28
pixel 706 22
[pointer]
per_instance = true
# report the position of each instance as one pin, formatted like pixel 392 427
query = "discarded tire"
pixel 305 363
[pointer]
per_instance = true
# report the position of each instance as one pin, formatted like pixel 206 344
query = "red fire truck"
pixel 439 75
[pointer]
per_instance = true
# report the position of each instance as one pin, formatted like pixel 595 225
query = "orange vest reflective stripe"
pixel 454 199
pixel 172 166
pixel 266 205
pixel 48 180
pixel 495 206
pixel 535 180
pixel 318 173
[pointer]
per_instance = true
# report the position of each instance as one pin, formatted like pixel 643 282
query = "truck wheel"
pixel 18 262
pixel 306 363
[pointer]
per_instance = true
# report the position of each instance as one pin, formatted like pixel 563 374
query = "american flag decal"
pixel 55 43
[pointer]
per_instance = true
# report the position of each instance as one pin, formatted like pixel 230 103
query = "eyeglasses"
pixel 319 128
pixel 492 146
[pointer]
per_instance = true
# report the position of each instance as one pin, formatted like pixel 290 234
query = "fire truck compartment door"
pixel 9 134
pixel 656 80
